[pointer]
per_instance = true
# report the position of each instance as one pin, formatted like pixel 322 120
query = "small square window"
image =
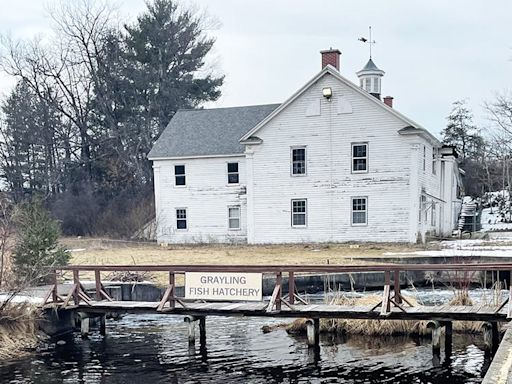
pixel 299 212
pixel 181 218
pixel 179 175
pixel 360 157
pixel 233 175
pixel 359 211
pixel 234 217
pixel 298 161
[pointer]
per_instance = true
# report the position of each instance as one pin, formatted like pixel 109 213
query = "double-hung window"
pixel 179 175
pixel 298 161
pixel 434 160
pixel 233 176
pixel 359 211
pixel 359 157
pixel 181 218
pixel 234 217
pixel 299 213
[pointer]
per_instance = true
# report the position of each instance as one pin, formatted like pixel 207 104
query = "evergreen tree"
pixel 462 133
pixel 37 242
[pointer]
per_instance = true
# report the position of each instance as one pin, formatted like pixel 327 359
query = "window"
pixel 179 175
pixel 234 217
pixel 233 176
pixel 298 161
pixel 376 85
pixel 434 161
pixel 359 210
pixel 360 157
pixel 368 84
pixel 299 211
pixel 424 158
pixel 181 218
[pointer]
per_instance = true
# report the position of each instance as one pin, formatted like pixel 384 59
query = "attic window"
pixel 233 176
pixel 298 161
pixel 179 175
pixel 359 157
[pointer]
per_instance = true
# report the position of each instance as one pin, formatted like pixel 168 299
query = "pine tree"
pixel 37 242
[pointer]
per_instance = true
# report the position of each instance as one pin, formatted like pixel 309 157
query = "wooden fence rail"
pixel 391 297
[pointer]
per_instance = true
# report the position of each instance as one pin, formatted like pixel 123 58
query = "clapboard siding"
pixel 330 184
pixel 393 185
pixel 206 197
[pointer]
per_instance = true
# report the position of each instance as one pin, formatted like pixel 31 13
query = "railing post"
pixel 55 291
pixel 509 312
pixel 76 281
pixel 172 282
pixel 97 278
pixel 279 282
pixel 291 287
pixel 398 296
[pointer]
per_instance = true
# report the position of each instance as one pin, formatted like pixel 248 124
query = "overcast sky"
pixel 433 52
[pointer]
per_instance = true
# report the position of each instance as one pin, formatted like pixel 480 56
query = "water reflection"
pixel 154 349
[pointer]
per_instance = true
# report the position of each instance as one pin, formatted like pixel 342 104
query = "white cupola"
pixel 370 78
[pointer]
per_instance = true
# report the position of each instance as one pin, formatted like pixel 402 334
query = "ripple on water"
pixel 153 349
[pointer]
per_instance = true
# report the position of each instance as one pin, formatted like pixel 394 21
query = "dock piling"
pixel 448 335
pixel 436 338
pixel 103 325
pixel 313 332
pixel 191 322
pixel 84 327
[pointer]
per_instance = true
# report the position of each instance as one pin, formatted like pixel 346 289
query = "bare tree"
pixel 63 71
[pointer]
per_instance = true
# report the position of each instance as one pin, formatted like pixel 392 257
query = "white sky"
pixel 434 52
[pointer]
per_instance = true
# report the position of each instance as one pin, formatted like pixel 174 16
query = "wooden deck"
pixel 439 313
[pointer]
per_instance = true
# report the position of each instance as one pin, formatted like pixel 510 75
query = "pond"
pixel 154 349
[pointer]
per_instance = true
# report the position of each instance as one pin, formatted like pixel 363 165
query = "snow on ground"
pixel 492 220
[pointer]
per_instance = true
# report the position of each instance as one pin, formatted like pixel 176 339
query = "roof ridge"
pixel 235 107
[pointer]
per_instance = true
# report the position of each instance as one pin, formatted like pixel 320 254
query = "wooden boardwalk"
pixel 437 313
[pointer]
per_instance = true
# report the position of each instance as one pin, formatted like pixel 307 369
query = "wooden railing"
pixel 391 295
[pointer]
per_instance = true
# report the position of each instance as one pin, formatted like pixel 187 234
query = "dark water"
pixel 154 349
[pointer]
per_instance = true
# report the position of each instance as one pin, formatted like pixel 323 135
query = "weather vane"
pixel 369 40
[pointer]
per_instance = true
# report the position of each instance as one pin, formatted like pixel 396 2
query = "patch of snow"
pixel 21 298
pixel 77 250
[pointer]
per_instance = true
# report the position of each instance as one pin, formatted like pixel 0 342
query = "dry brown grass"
pixel 380 327
pixel 18 330
pixel 104 252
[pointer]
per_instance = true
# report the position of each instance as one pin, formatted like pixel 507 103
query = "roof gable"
pixel 332 71
pixel 208 132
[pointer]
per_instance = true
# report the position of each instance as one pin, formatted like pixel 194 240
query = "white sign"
pixel 223 286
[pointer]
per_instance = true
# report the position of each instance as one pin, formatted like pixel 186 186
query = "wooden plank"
pixel 273 298
pixel 165 297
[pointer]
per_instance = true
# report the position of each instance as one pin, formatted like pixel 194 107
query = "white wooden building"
pixel 333 163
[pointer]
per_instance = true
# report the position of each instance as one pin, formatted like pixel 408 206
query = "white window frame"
pixel 305 161
pixel 424 158
pixel 305 213
pixel 230 207
pixel 233 173
pixel 434 160
pixel 352 158
pixel 177 218
pixel 184 175
pixel 365 211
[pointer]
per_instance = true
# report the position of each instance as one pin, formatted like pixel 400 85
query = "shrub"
pixel 36 243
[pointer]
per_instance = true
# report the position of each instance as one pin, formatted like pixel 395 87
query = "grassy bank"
pixel 19 331
pixel 87 251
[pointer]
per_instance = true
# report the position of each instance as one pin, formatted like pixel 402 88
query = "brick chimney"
pixel 332 57
pixel 388 100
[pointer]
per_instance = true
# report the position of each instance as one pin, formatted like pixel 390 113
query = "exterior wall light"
pixel 327 92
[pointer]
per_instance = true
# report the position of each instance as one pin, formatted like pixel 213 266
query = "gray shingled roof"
pixel 370 66
pixel 199 132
